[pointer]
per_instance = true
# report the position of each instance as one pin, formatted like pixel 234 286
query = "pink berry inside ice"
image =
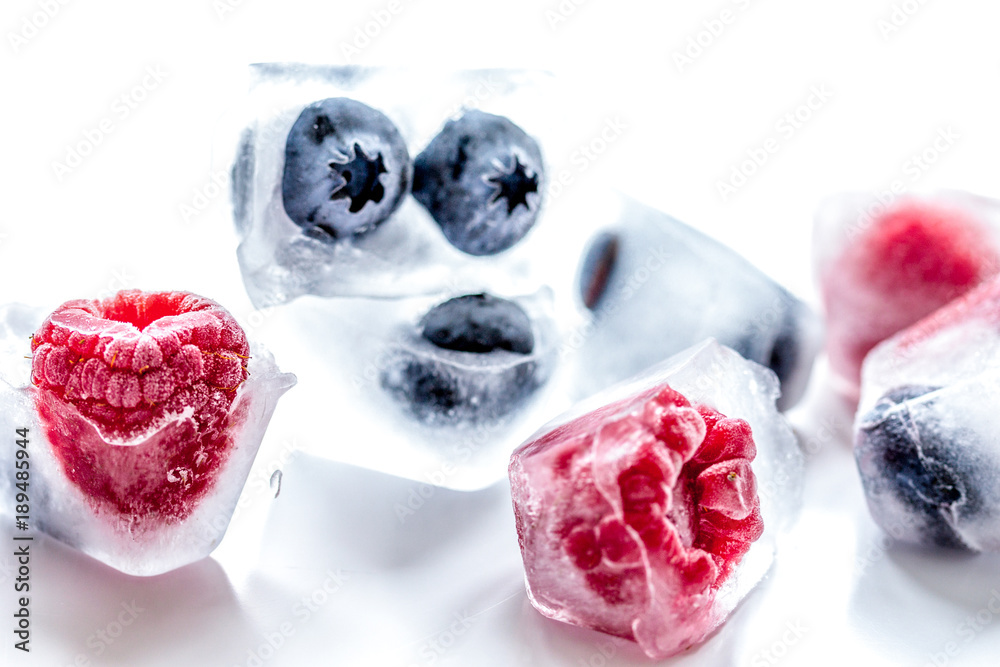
pixel 134 394
pixel 632 517
pixel 909 262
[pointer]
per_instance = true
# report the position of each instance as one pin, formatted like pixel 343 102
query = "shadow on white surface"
pixel 86 613
pixel 928 606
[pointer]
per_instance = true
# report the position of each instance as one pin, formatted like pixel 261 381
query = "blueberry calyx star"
pixel 514 186
pixel 361 179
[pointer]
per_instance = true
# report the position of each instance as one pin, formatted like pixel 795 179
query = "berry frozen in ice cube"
pixel 473 359
pixel 883 267
pixel 481 180
pixel 147 423
pixel 907 462
pixel 925 435
pixel 654 286
pixel 346 168
pixel 649 511
pixel 321 171
pixel 115 371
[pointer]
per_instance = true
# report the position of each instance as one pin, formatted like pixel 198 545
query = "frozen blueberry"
pixel 785 355
pixel 478 323
pixel 660 293
pixel 776 338
pixel 921 483
pixel 473 360
pixel 441 393
pixel 598 265
pixel 346 169
pixel 481 180
pixel 241 177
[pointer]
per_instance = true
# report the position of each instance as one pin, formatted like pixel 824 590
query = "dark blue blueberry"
pixel 430 390
pixel 241 180
pixel 472 362
pixel 774 338
pixel 904 456
pixel 598 266
pixel 478 323
pixel 481 180
pixel 346 169
pixel 439 393
pixel 616 282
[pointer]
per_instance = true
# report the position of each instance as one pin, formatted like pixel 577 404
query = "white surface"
pixel 838 594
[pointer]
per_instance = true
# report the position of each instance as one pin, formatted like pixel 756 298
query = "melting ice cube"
pixel 650 510
pixel 883 265
pixel 655 286
pixel 95 504
pixel 926 430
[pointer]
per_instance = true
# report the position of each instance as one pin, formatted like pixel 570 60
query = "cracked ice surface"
pixel 925 432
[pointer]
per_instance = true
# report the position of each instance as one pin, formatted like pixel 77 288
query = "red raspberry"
pixel 689 494
pixel 979 305
pixel 653 510
pixel 134 393
pixel 914 259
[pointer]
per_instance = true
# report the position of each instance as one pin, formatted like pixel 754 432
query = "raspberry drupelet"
pixel 631 523
pixel 135 393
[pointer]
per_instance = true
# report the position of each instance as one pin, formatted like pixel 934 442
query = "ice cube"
pixel 651 509
pixel 884 264
pixel 655 286
pixel 423 388
pixel 300 232
pixel 926 429
pixel 88 487
pixel 471 359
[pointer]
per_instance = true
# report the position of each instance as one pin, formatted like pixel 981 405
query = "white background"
pixel 445 586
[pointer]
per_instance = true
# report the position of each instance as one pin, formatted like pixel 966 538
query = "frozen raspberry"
pixel 912 260
pixel 134 393
pixel 979 306
pixel 629 523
